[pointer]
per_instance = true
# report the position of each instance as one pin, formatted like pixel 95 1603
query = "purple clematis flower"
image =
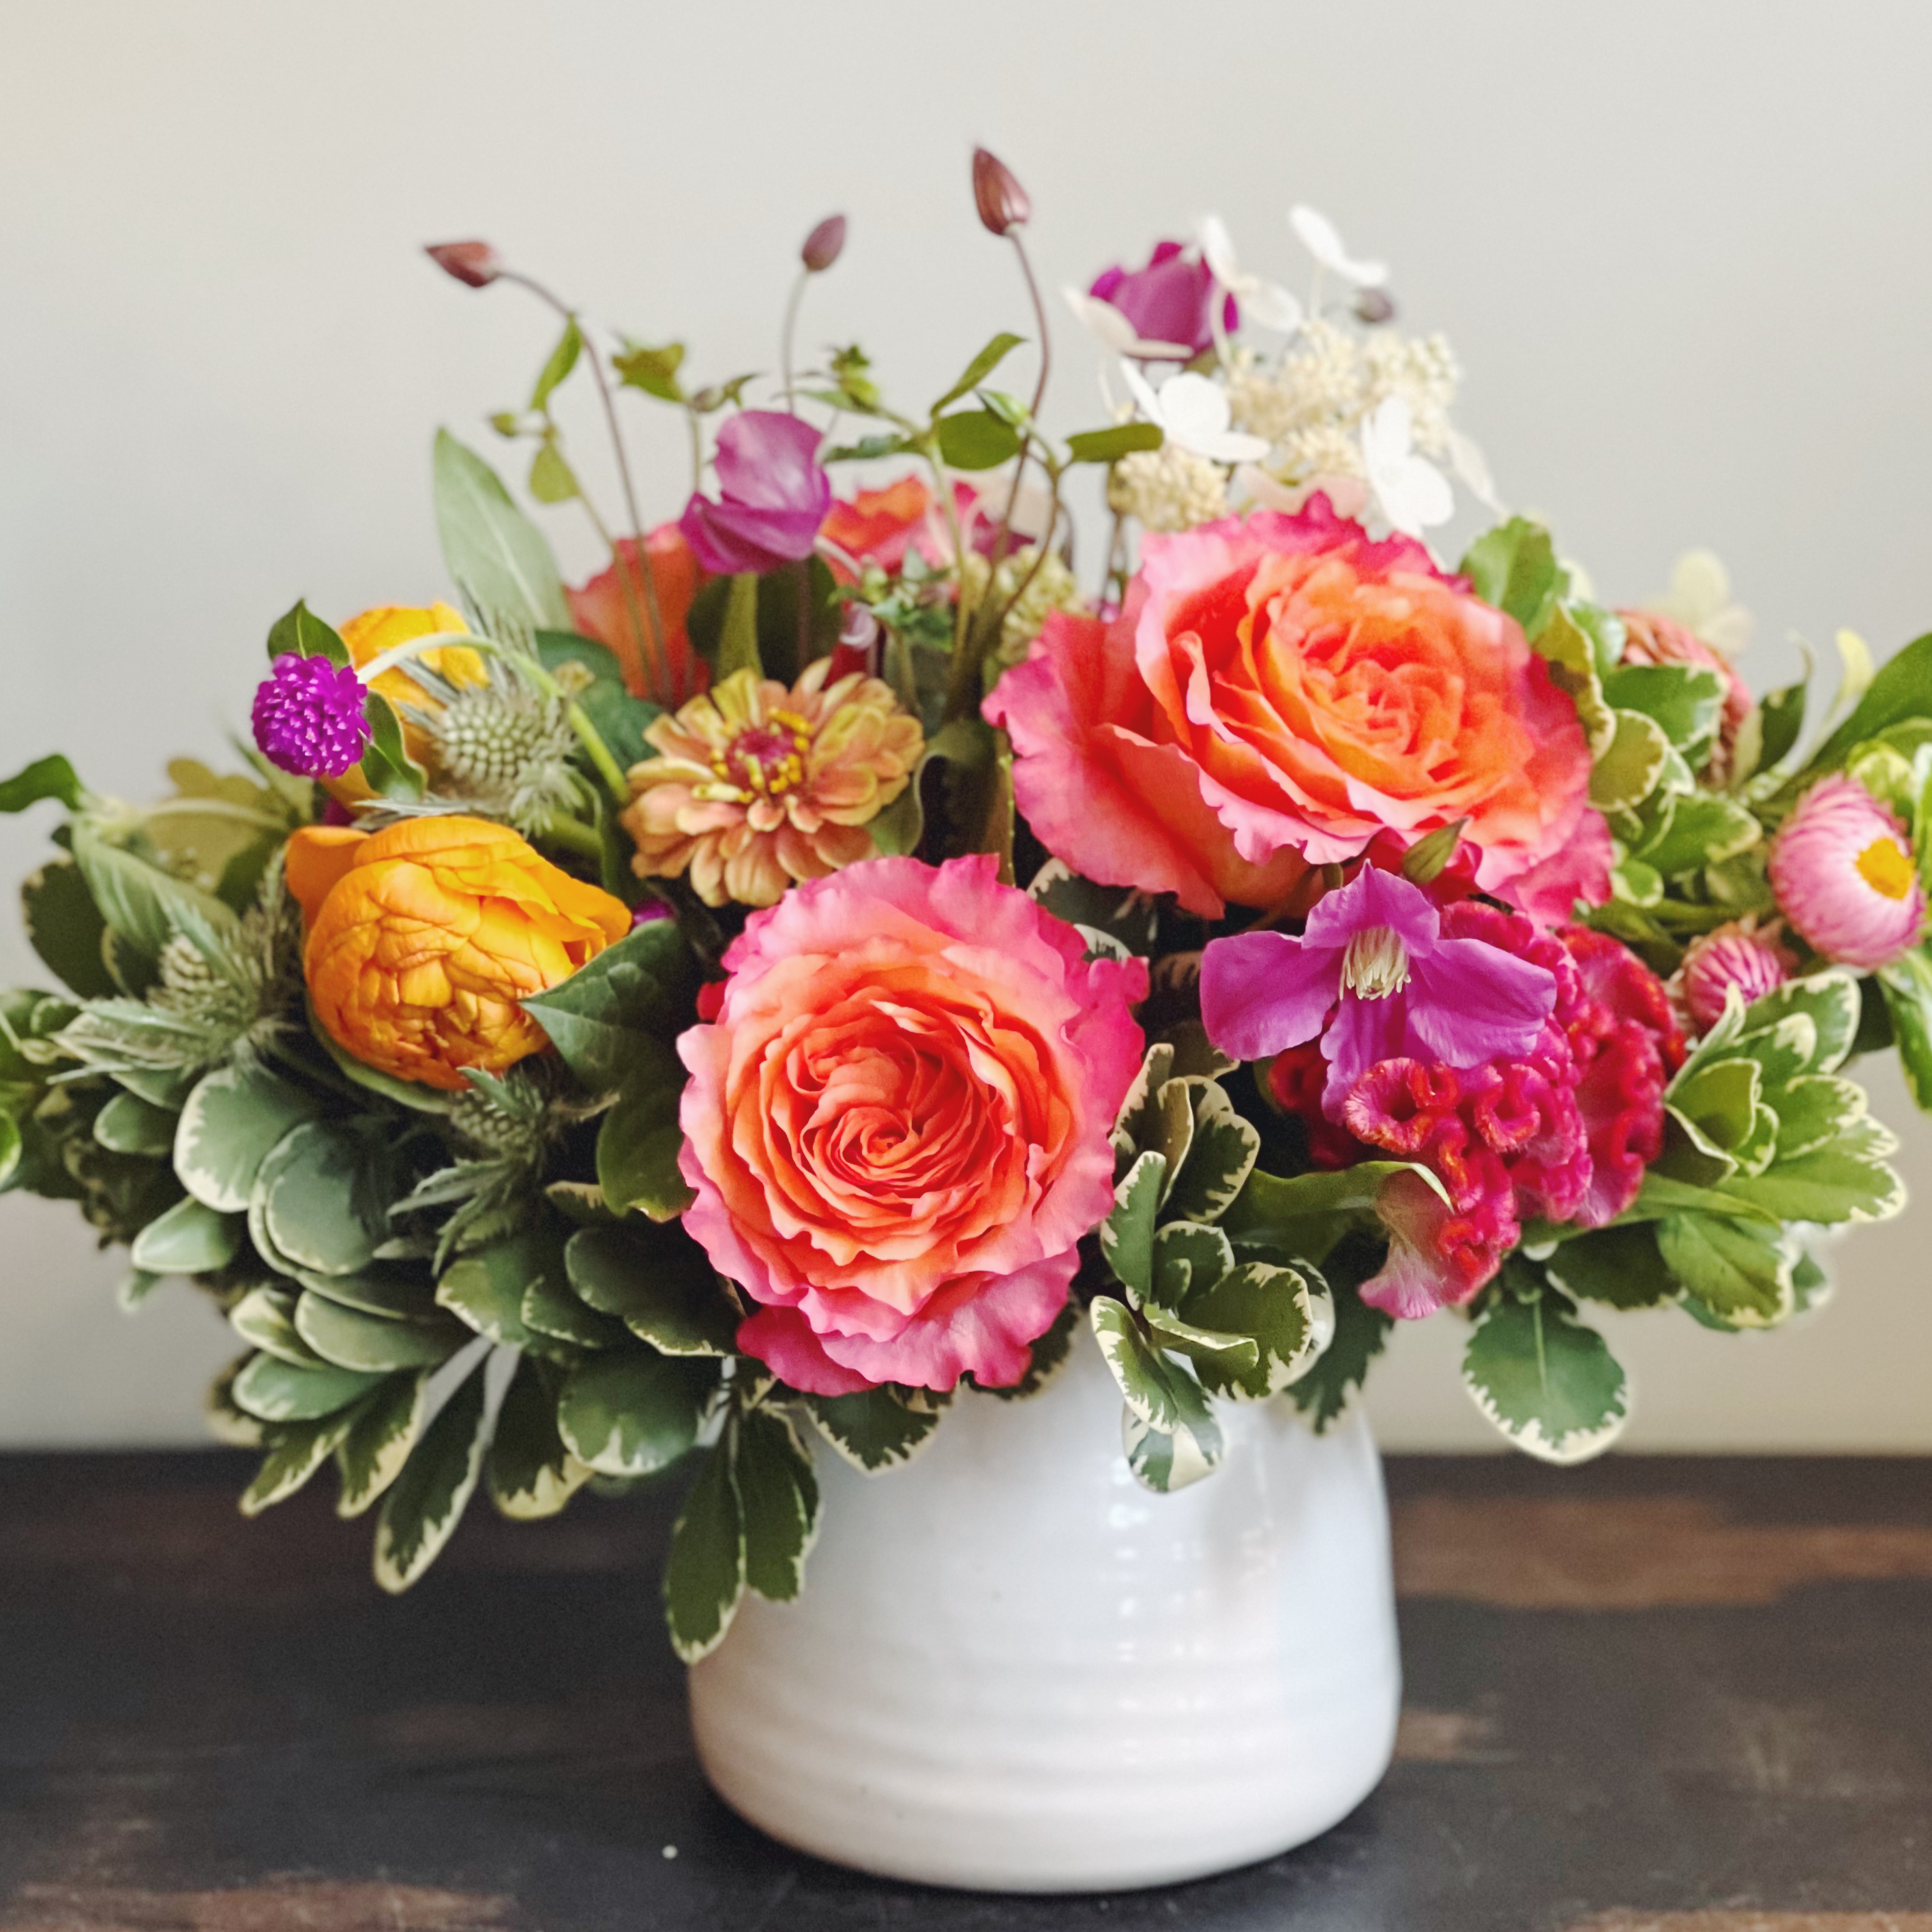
pixel 773 494
pixel 1373 976
pixel 1170 300
pixel 309 716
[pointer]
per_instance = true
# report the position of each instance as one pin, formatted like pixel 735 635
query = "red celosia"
pixel 1561 1133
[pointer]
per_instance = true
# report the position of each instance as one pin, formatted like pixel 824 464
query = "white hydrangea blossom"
pixel 1169 489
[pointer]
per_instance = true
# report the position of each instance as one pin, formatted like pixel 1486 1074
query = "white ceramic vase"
pixel 1013 1668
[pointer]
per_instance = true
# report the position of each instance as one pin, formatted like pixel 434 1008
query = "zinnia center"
pixel 1375 965
pixel 1885 866
pixel 766 760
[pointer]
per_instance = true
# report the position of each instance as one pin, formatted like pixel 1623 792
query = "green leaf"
pixel 1660 1197
pixel 532 1472
pixel 266 1317
pixel 51 777
pixel 486 1289
pixel 1780 721
pixel 634 1413
pixel 130 1125
pixel 1901 690
pixel 496 555
pixel 976 440
pixel 1684 699
pixel 1514 567
pixel 1272 1212
pixel 1814 1110
pixel 982 366
pixel 299 1449
pixel 383 1429
pixel 232 1121
pixel 643 984
pixel 1110 445
pixel 1289 1314
pixel 1126 1235
pixel 273 1390
pixel 1830 1001
pixel 1699 828
pixel 549 1308
pixel 1186 1256
pixel 298 632
pixel 1849 1180
pixel 620 719
pixel 1168 1431
pixel 65 927
pixel 778 1496
pixel 738 641
pixel 874 1430
pixel 1221 1154
pixel 1620 1266
pixel 1720 1101
pixel 1626 772
pixel 1742 1272
pixel 551 479
pixel 653 370
pixel 1908 998
pixel 1131 917
pixel 657 1281
pixel 1323 1394
pixel 315 1204
pixel 386 763
pixel 638 1149
pixel 148 906
pixel 427 1498
pixel 704 1573
pixel 1571 653
pixel 562 360
pixel 352 1340
pixel 1548 1382
pixel 188 1239
pixel 1218 1358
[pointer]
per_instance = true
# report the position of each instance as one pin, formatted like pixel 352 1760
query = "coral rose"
pixel 615 613
pixel 1275 691
pixel 423 938
pixel 897 1123
pixel 881 526
pixel 755 786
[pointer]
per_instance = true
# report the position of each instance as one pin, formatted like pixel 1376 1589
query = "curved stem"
pixel 569 831
pixel 784 340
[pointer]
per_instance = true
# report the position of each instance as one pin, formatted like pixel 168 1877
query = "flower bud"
pixel 1736 955
pixel 823 245
pixel 475 264
pixel 1002 202
pixel 1373 307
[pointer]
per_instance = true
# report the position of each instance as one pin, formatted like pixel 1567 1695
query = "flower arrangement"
pixel 799 978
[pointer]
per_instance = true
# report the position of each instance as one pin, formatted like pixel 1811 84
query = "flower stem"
pixel 784 340
pixel 592 739
pixel 563 830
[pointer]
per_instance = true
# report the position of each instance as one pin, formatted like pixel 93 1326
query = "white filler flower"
pixel 1318 235
pixel 1267 303
pixel 1192 413
pixel 1414 493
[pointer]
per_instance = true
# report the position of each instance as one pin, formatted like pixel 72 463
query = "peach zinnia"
pixel 755 787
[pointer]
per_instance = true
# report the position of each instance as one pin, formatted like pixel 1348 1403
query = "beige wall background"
pixel 1682 249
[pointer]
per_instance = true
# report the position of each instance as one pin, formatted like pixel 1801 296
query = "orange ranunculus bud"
pixel 372 632
pixel 423 938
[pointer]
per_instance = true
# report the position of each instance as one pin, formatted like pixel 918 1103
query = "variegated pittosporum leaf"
pixel 1547 1381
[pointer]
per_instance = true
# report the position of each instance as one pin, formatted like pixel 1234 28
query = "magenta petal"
pixel 1364 1033
pixel 1263 992
pixel 1469 1001
pixel 768 460
pixel 726 538
pixel 1376 898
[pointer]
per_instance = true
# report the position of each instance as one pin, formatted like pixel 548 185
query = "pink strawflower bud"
pixel 1846 877
pixel 1736 955
pixel 309 716
pixel 1002 202
pixel 824 244
pixel 475 264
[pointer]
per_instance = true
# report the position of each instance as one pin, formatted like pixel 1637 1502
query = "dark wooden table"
pixel 1689 1696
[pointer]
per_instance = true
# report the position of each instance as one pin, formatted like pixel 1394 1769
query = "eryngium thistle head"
pixel 506 748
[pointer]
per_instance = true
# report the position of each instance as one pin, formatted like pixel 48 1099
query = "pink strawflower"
pixel 897 1123
pixel 1845 876
pixel 1374 977
pixel 1736 955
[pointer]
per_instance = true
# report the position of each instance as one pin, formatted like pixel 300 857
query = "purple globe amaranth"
pixel 1170 300
pixel 1846 877
pixel 309 716
pixel 773 493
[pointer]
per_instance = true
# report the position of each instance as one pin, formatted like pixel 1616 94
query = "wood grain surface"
pixel 1665 1695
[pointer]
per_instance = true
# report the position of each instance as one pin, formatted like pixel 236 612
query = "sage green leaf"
pixel 637 1149
pixel 658 1282
pixel 1546 1381
pixel 1222 1151
pixel 266 1317
pixel 1720 1101
pixel 1288 1313
pixel 232 1119
pixel 228 1422
pixel 1901 690
pixel 1165 1394
pixel 188 1239
pixel 1127 916
pixel 1513 567
pixel 427 1498
pixel 1909 1002
pixel 1684 699
pixel 64 927
pixel 1741 1272
pixel 487 1288
pixel 874 1430
pixel 777 1495
pixel 136 1284
pixel 298 632
pixel 1273 1212
pixel 633 1413
pixel 383 1429
pixel 297 1451
pixel 1699 828
pixel 128 1124
pixel 1186 1256
pixel 51 777
pixel 1814 1111
pixel 1626 772
pixel 559 364
pixel 532 1472
pixel 395 1291
pixel 551 1310
pixel 1126 1235
pixel 317 1202
pixel 351 1339
pixel 274 1390
pixel 1619 1266
pixel 704 1573
pixel 982 365
pixel 147 906
pixel 1110 445
pixel 496 555
pixel 1829 1000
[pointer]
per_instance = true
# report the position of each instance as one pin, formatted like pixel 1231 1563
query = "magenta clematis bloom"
pixel 773 494
pixel 1374 977
pixel 309 716
pixel 1170 300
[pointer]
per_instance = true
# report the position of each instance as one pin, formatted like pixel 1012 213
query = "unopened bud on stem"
pixel 1002 202
pixel 823 245
pixel 475 264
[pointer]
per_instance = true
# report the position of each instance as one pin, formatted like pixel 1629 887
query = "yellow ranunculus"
pixel 372 632
pixel 423 938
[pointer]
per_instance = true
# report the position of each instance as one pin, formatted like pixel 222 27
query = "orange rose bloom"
pixel 423 938
pixel 603 611
pixel 368 635
pixel 880 525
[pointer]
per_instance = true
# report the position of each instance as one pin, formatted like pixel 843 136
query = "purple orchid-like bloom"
pixel 1373 975
pixel 309 716
pixel 1170 300
pixel 773 494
